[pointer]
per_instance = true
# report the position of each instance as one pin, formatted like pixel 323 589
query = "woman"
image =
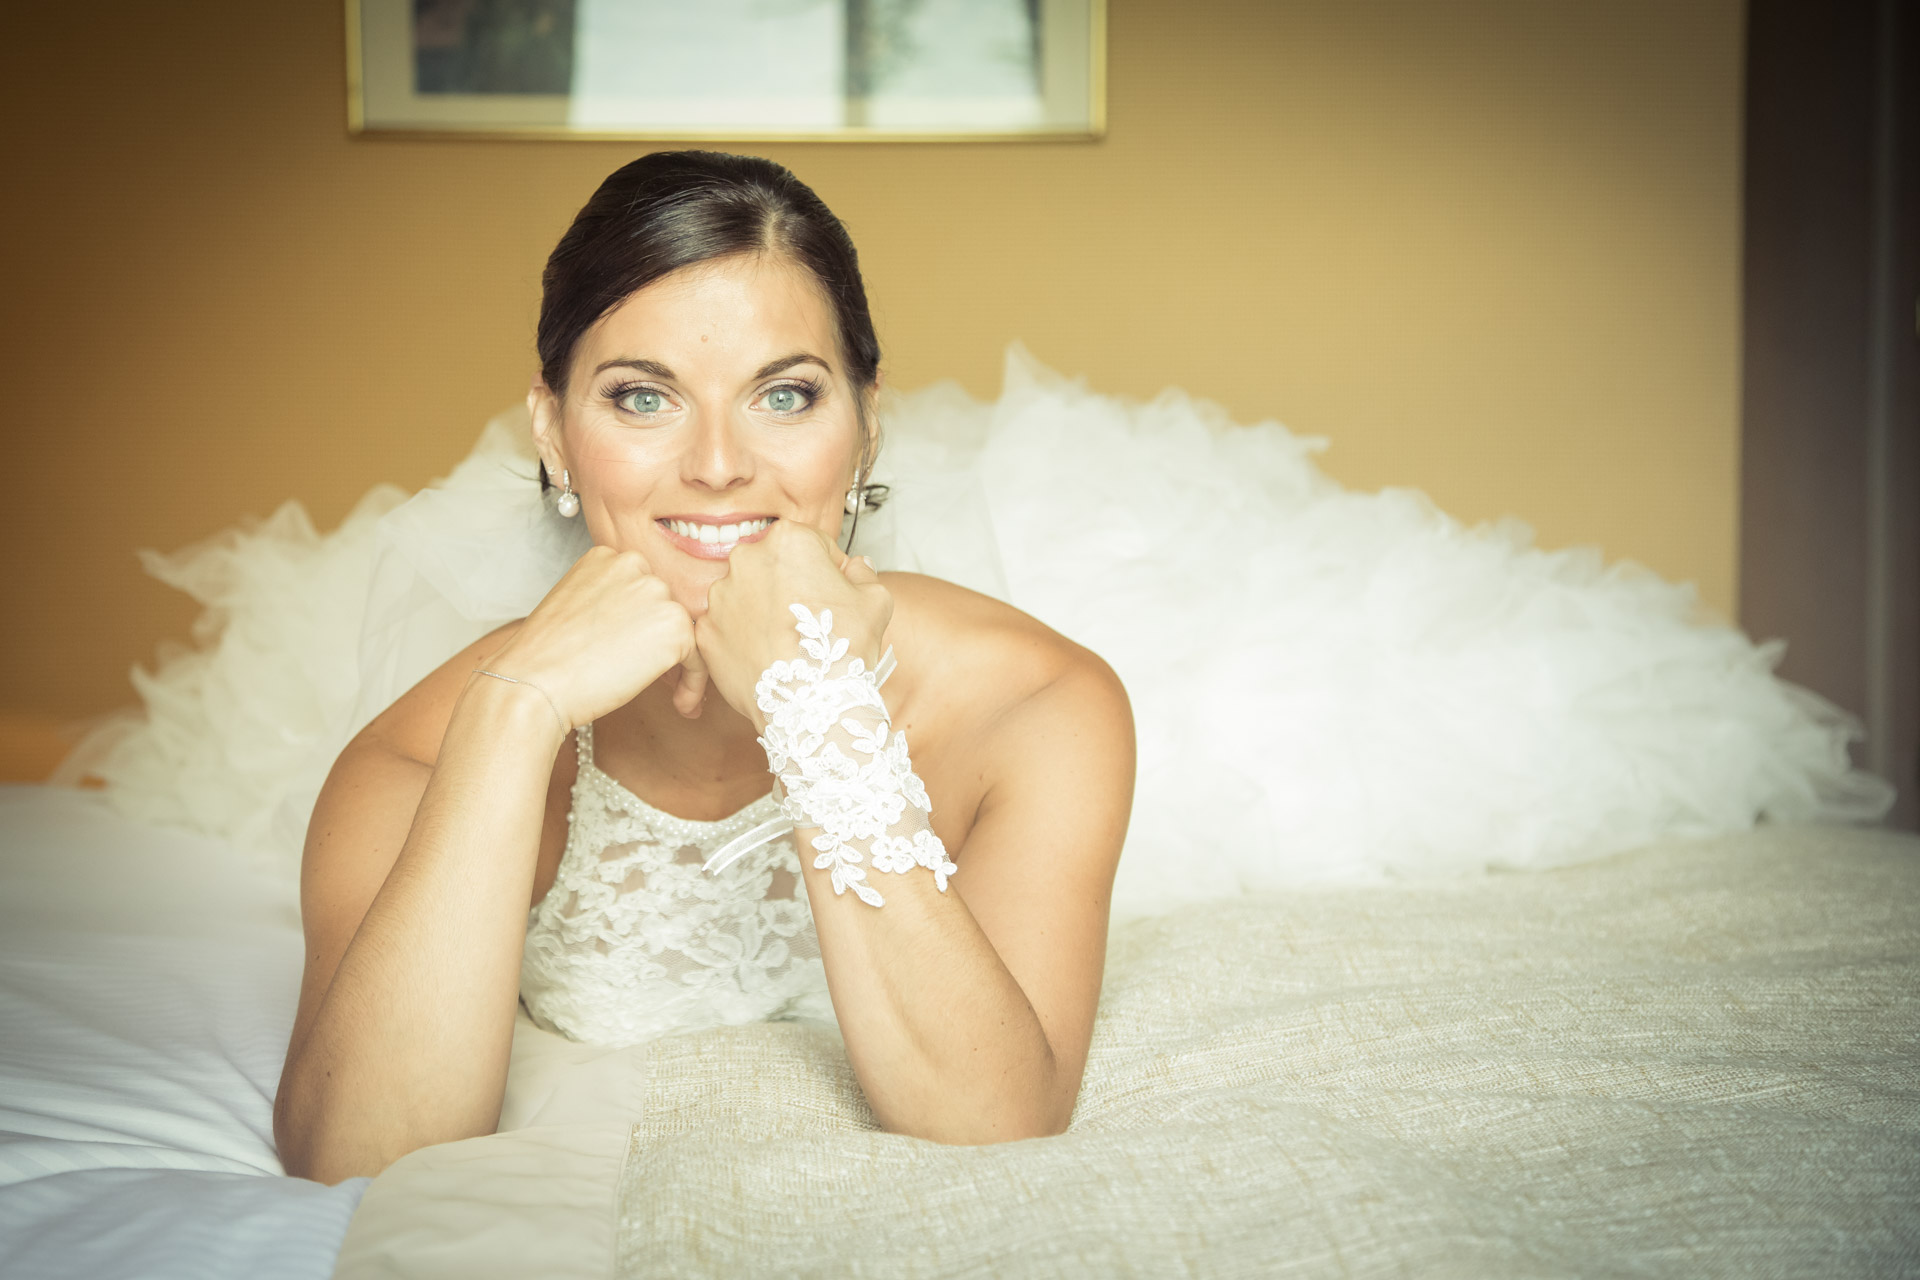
pixel 706 401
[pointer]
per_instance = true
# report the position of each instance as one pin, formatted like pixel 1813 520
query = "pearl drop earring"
pixel 568 504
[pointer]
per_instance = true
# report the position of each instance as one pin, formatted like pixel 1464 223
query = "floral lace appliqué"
pixel 635 940
pixel 842 767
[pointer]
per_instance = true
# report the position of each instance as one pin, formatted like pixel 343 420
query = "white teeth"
pixel 718 533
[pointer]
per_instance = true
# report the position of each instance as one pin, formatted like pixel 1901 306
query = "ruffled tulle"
pixel 1326 684
pixel 306 638
pixel 1338 685
pixel 256 711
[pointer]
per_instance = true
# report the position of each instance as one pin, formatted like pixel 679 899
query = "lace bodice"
pixel 634 940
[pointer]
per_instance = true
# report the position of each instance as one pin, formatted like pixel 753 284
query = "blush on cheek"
pixel 613 477
pixel 592 443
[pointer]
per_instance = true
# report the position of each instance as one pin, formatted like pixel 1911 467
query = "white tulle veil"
pixel 1340 686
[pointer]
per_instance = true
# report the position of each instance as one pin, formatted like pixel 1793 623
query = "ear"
pixel 870 427
pixel 544 409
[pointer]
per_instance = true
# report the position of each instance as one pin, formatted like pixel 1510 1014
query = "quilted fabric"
pixel 1693 1059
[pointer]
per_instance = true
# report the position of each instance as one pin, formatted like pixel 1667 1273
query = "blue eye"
pixel 791 398
pixel 641 400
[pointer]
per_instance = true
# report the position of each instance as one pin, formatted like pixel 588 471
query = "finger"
pixel 859 571
pixel 634 560
pixel 806 531
pixel 690 694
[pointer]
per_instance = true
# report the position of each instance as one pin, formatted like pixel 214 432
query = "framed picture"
pixel 801 70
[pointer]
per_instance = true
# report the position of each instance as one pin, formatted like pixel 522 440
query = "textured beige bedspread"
pixel 1693 1059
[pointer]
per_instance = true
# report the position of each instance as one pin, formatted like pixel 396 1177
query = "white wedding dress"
pixel 1343 686
pixel 635 940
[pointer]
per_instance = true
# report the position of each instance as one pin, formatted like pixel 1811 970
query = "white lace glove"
pixel 840 766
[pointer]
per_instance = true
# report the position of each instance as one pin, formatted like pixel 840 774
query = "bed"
pixel 147 980
pixel 1700 1057
pixel 1678 1035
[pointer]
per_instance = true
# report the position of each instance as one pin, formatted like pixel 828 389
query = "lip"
pixel 711 550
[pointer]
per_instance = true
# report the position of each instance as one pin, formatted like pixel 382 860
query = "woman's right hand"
pixel 607 630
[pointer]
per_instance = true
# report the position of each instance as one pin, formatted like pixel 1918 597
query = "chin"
pixel 690 588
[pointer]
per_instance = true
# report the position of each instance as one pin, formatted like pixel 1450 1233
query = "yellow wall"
pixel 1490 247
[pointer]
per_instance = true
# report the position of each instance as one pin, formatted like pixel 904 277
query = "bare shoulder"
pixel 414 726
pixel 997 666
pixel 1043 767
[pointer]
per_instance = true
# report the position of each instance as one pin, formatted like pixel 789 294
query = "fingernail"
pixel 869 563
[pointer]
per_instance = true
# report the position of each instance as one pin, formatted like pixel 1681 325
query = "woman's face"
pixel 707 405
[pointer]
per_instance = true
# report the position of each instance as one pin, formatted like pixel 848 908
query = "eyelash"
pixel 811 388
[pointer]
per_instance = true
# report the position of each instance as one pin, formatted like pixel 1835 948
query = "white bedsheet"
pixel 147 984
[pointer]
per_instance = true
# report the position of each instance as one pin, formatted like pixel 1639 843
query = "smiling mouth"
pixel 711 540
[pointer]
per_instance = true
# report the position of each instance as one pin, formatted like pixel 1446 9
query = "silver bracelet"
pixel 565 726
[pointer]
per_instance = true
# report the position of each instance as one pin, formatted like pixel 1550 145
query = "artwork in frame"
pixel 805 70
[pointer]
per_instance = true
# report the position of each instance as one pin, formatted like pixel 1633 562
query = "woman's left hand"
pixel 749 622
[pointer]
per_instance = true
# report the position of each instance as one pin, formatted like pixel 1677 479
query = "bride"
pixel 706 406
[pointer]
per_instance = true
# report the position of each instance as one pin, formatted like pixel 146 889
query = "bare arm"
pixel 419 867
pixel 403 1041
pixel 967 1014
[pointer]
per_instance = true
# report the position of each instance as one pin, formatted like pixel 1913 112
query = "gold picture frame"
pixel 904 70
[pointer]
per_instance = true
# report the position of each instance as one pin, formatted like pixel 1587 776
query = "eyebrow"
pixel 655 369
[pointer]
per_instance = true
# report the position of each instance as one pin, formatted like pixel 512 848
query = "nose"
pixel 718 457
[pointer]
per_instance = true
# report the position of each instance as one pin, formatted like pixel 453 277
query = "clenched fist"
pixel 749 625
pixel 607 630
